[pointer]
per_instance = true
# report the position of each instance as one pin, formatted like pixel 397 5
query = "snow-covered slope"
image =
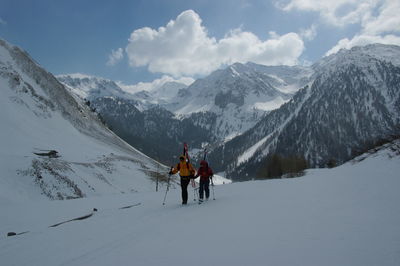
pixel 39 115
pixel 343 216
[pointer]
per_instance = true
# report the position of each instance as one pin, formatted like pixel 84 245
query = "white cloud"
pixel 379 19
pixel 387 20
pixel 310 33
pixel 115 57
pixel 239 46
pixel 155 84
pixel 338 12
pixel 382 28
pixel 183 48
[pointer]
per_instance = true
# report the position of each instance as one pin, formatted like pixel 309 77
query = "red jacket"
pixel 205 173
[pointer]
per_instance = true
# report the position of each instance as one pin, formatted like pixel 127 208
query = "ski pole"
pixel 166 191
pixel 194 189
pixel 212 186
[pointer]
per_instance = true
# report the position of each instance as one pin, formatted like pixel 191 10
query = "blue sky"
pixel 142 40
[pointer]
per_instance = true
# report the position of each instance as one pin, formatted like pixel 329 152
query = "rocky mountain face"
pixel 353 98
pixel 155 131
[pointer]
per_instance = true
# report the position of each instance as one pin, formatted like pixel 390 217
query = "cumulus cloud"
pixel 115 57
pixel 183 48
pixel 239 46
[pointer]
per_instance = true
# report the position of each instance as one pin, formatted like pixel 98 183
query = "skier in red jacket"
pixel 205 173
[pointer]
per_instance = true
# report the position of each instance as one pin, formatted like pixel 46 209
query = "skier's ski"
pixel 185 152
pixel 192 182
pixel 205 154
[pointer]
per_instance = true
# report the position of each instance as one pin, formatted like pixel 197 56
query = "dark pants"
pixel 184 185
pixel 204 186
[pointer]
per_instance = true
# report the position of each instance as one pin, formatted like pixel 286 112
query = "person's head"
pixel 203 163
pixel 182 158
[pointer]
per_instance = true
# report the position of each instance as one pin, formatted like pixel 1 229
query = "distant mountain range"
pixel 246 112
pixel 212 110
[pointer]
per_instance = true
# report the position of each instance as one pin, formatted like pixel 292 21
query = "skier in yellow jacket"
pixel 186 172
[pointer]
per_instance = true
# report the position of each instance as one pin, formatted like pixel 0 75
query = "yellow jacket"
pixel 184 168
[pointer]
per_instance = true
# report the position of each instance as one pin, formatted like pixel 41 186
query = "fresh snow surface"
pixel 348 215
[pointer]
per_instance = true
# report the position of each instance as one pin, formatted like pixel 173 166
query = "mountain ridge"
pixel 40 117
pixel 346 105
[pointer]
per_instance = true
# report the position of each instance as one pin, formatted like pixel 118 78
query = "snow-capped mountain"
pixel 239 95
pixel 353 99
pixel 90 87
pixel 53 145
pixel 159 95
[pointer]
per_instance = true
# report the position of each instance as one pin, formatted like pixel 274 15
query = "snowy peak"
pixel 287 79
pixel 361 56
pixel 90 88
pixel 159 95
pixel 247 80
pixel 239 95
